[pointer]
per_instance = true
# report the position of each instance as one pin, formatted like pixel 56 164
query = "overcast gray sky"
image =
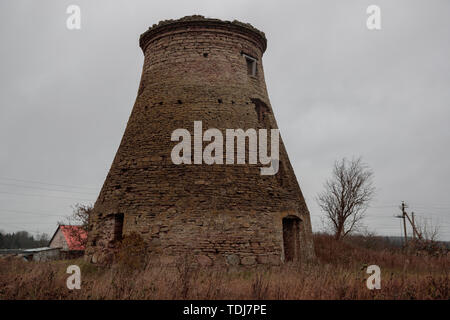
pixel 337 89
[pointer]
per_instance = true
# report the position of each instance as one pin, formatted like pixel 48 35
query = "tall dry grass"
pixel 338 274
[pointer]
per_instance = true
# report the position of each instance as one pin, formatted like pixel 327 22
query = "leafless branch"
pixel 346 196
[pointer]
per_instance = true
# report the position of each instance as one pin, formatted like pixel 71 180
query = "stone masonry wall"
pixel 195 70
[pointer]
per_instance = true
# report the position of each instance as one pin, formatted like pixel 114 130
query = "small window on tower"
pixel 251 65
pixel 262 110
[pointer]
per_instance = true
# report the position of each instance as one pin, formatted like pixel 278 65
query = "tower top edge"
pixel 200 21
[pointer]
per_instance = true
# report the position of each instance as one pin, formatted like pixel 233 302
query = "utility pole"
pixel 404 221
pixel 411 220
pixel 413 225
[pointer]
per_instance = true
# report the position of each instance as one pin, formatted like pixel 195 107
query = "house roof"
pixel 75 236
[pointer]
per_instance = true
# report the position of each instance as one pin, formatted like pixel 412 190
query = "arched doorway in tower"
pixel 291 238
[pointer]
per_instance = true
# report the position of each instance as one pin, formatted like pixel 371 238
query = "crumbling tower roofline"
pixel 200 23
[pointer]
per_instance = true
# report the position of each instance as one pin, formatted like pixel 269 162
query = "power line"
pixel 443 206
pixel 44 195
pixel 49 184
pixel 40 188
pixel 382 207
pixel 40 214
pixel 25 223
pixel 21 228
pixel 382 218
pixel 441 214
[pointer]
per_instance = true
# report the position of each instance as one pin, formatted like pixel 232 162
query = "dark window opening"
pixel 219 100
pixel 205 55
pixel 180 102
pixel 262 111
pixel 118 227
pixel 251 65
pixel 291 238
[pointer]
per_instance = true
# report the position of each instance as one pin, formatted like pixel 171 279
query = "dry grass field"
pixel 339 273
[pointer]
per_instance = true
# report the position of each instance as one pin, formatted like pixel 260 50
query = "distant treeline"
pixel 22 240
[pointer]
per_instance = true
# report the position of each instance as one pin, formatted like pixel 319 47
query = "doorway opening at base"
pixel 291 238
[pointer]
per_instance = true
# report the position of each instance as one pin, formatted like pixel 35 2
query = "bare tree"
pixel 346 196
pixel 427 241
pixel 80 215
pixel 428 230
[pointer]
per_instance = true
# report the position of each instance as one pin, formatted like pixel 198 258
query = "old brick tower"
pixel 200 69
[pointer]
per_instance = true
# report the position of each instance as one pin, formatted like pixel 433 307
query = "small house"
pixel 70 239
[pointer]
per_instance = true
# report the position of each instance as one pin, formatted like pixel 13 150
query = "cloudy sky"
pixel 337 89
